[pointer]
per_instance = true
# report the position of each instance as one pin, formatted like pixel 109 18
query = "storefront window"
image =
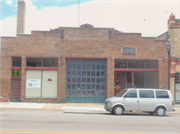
pixel 136 64
pixel 151 64
pixel 177 78
pixel 50 62
pixel 120 63
pixel 16 62
pixel 36 62
pixel 151 79
pixel 16 73
pixel 139 80
pixel 128 77
pixel 33 62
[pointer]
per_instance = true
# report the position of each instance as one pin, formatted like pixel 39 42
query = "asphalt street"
pixel 69 122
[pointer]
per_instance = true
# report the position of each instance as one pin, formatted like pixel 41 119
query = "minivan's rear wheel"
pixel 160 111
pixel 118 110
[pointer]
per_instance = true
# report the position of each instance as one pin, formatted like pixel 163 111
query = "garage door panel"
pixel 86 81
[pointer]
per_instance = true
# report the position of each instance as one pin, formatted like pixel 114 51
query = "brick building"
pixel 173 34
pixel 78 64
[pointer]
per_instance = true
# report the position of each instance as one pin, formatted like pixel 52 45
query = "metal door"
pixel 177 93
pixel 15 89
pixel 86 81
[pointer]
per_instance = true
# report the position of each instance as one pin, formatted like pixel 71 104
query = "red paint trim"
pixel 85 58
pixel 40 68
pixel 15 92
pixel 16 89
pixel 135 70
pixel 15 95
pixel 172 75
pixel 16 98
pixel 16 78
pixel 177 62
pixel 16 68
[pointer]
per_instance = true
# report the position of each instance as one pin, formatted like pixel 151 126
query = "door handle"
pixel 137 101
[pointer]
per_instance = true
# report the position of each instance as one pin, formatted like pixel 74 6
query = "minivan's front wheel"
pixel 118 110
pixel 160 111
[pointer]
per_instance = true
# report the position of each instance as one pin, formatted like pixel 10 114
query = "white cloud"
pixel 8 27
pixel 148 18
pixel 9 2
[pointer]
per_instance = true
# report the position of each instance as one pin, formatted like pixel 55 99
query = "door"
pixel 131 100
pixel 177 93
pixel 86 80
pixel 15 89
pixel 117 86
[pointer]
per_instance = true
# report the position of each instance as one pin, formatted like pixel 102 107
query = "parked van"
pixel 140 99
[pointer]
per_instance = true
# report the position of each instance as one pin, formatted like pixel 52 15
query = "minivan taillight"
pixel 173 103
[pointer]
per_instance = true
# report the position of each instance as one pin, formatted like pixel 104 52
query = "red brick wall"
pixel 86 43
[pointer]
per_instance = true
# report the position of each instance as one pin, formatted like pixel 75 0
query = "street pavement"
pixel 62 106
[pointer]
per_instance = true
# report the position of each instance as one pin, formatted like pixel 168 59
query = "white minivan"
pixel 141 99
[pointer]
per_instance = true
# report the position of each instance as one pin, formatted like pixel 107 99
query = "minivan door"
pixel 131 101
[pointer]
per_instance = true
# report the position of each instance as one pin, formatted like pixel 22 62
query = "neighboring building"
pixel 78 65
pixel 173 34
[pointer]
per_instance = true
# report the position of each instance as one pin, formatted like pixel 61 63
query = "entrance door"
pixel 15 89
pixel 177 93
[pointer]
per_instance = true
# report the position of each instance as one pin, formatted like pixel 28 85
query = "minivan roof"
pixel 145 89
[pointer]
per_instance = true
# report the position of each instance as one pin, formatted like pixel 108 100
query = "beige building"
pixel 173 34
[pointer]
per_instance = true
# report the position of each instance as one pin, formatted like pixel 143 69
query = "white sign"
pixel 34 83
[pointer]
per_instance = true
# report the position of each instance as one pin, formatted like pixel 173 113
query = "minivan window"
pixel 121 93
pixel 146 93
pixel 162 94
pixel 131 94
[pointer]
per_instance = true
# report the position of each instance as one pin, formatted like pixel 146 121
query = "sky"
pixel 148 17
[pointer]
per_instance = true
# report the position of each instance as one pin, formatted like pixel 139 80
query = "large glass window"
pixel 139 79
pixel 37 62
pixel 128 81
pixel 50 62
pixel 16 62
pixel 151 79
pixel 139 64
pixel 152 64
pixel 136 64
pixel 121 64
pixel 146 93
pixel 33 62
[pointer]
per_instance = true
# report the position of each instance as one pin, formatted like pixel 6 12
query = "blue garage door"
pixel 86 80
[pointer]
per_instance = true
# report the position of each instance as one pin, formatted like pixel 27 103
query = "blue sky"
pixel 9 7
pixel 148 17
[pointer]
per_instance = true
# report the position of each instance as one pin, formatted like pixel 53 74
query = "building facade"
pixel 173 34
pixel 78 64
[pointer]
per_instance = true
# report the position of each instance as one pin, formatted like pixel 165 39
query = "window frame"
pixel 129 51
pixel 41 66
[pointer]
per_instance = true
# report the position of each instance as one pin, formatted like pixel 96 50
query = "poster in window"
pixel 33 83
pixel 117 84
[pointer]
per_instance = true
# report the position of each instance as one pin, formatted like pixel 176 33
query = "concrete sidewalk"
pixel 62 106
